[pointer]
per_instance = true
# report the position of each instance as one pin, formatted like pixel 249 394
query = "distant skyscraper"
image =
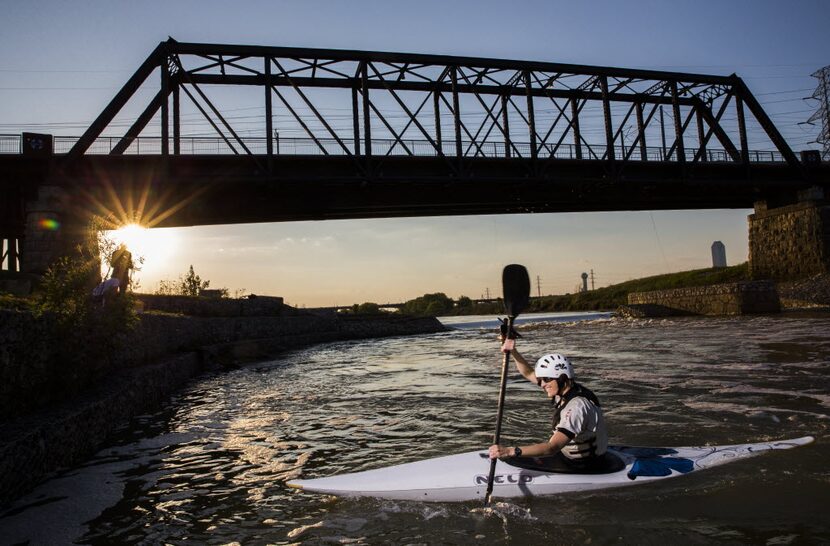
pixel 718 254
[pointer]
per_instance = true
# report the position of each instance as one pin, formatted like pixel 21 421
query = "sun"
pixel 155 246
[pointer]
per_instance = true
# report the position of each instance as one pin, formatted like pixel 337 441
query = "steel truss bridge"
pixel 235 133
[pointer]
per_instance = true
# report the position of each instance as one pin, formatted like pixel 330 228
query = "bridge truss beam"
pixel 454 108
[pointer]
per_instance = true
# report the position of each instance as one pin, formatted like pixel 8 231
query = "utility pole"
pixel 592 279
pixel 538 287
pixel 487 293
pixel 822 115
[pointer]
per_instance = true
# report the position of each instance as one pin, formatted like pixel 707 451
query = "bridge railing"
pixel 12 144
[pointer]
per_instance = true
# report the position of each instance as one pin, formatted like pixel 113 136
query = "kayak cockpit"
pixel 606 464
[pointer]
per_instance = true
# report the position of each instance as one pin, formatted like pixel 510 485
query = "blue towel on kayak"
pixel 659 466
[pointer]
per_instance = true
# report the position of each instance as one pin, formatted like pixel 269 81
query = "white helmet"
pixel 553 365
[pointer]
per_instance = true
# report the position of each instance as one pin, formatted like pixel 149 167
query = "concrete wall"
pixel 720 299
pixel 789 243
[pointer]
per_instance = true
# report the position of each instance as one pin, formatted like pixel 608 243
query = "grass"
pixel 611 297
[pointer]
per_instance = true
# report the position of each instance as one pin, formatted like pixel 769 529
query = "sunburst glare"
pixel 156 246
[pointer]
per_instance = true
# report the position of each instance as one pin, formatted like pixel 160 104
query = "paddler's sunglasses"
pixel 544 380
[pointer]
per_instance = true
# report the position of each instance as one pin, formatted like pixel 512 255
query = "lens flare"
pixel 49 224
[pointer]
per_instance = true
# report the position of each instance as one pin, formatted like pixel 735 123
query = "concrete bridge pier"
pixel 50 231
pixel 790 242
pixel 44 232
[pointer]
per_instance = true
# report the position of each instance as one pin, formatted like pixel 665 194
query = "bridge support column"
pixel 41 243
pixel 790 242
pixel 11 235
pixel 50 231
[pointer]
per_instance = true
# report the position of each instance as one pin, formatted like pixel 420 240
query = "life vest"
pixel 583 447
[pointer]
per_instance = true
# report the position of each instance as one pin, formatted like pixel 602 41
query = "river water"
pixel 211 467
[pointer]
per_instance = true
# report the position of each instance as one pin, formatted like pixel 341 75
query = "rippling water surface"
pixel 211 468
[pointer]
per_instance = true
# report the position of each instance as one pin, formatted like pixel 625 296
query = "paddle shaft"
pixel 497 435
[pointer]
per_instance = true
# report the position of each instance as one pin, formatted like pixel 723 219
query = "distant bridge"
pixel 331 134
pixel 398 306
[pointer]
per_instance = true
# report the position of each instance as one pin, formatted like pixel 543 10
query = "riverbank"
pixel 740 298
pixel 53 418
pixel 704 285
pixel 607 298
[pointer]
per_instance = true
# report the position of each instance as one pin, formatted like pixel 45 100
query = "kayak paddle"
pixel 516 290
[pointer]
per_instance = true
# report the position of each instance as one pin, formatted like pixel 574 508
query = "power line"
pixel 783 92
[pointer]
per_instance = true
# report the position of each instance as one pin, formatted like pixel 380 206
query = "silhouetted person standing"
pixel 122 263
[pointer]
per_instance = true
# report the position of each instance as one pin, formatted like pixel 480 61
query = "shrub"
pixel 86 333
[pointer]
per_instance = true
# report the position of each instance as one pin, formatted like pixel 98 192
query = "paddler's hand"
pixel 504 334
pixel 507 339
pixel 499 452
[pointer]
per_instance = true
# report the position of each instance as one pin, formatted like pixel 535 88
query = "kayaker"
pixel 579 435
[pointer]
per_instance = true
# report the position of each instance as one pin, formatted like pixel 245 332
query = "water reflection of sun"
pixel 156 246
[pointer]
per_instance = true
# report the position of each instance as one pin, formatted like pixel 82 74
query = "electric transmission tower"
pixel 822 115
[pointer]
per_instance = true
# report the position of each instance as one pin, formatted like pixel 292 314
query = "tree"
pixel 429 305
pixel 192 284
pixel 463 302
pixel 367 308
pixel 189 285
pixel 168 288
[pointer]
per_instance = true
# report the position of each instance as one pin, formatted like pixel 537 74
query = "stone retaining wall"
pixel 32 376
pixel 34 447
pixel 647 310
pixel 41 433
pixel 789 243
pixel 720 299
pixel 251 306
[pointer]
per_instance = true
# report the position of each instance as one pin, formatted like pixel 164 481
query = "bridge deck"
pixel 200 190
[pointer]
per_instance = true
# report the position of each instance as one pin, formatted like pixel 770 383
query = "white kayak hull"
pixel 463 477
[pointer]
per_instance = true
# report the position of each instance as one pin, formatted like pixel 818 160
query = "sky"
pixel 65 61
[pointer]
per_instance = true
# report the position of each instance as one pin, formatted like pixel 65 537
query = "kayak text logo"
pixel 505 478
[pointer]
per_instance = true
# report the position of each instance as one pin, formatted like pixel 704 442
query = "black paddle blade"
pixel 515 284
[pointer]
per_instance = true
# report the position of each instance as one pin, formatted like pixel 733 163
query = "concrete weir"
pixel 51 419
pixel 737 298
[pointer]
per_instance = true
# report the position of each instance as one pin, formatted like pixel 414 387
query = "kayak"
pixel 463 477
